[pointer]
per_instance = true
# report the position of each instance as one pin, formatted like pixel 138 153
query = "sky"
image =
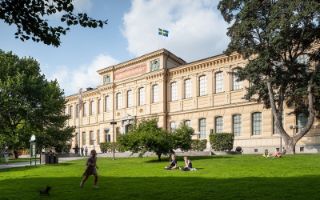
pixel 196 31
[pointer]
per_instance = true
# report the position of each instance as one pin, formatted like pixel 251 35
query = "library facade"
pixel 205 94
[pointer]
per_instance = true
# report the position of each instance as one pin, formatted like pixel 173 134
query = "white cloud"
pixel 196 29
pixel 71 80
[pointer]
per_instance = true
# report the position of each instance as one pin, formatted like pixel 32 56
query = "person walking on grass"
pixel 86 151
pixel 91 169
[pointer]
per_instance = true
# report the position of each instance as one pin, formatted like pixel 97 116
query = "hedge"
pixel 221 141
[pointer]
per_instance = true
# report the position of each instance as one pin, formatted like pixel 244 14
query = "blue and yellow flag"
pixel 163 32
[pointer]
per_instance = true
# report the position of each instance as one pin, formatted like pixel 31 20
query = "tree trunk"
pixel 159 156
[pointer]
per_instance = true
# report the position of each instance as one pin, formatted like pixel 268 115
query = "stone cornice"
pixel 206 63
pixel 140 59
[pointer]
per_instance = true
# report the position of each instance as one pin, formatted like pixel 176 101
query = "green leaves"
pixel 30 17
pixel 30 104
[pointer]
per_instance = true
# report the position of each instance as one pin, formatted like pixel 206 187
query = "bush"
pixel 221 141
pixel 198 145
pixel 182 137
pixel 108 147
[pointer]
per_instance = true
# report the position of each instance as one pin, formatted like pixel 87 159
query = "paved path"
pixel 24 164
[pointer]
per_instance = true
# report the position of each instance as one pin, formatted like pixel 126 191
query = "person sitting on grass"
pixel 91 169
pixel 187 165
pixel 277 154
pixel 266 154
pixel 173 163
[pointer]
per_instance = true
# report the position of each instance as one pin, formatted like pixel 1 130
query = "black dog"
pixel 45 192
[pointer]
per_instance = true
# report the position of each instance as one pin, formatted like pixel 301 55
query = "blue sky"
pixel 196 30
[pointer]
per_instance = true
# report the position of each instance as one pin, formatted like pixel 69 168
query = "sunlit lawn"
pixel 230 177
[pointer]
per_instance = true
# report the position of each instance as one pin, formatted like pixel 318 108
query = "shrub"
pixel 221 141
pixel 182 137
pixel 198 145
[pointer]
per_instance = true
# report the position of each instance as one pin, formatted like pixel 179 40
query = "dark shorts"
pixel 90 171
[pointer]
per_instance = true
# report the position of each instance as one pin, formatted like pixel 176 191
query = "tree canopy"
pixel 31 19
pixel 280 39
pixel 30 105
pixel 147 136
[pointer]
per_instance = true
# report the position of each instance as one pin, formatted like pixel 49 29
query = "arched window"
pixel 174 91
pixel 236 125
pixel 236 83
pixel 256 123
pixel 187 89
pixel 91 136
pixel 155 93
pixel 141 96
pixel 301 121
pixel 202 85
pixel 219 82
pixel 119 100
pixel 129 98
pixel 172 126
pixel 187 123
pixel 218 124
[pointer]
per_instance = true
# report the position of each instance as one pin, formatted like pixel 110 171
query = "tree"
pixel 147 136
pixel 280 40
pixel 30 17
pixel 182 137
pixel 30 105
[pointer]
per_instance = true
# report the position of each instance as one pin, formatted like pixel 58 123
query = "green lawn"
pixel 230 177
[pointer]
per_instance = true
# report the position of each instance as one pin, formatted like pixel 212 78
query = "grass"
pixel 11 160
pixel 229 177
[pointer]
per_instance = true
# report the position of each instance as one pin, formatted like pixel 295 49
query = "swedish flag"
pixel 163 32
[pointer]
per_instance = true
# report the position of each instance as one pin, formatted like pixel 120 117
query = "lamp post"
pixel 33 154
pixel 113 139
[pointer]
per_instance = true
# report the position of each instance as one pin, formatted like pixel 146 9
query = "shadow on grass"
pixel 15 169
pixel 178 188
pixel 180 158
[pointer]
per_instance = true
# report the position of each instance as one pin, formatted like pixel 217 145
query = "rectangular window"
pixel 129 99
pixel 202 85
pixel 106 79
pixel 187 88
pixel 219 124
pixel 256 123
pixel 202 128
pixel 91 108
pixel 119 100
pixel 70 111
pixel 219 82
pixel 98 106
pixel 141 96
pixel 98 136
pixel 236 83
pixel 155 93
pixel 83 138
pixel 77 111
pixel 84 109
pixel 236 125
pixel 174 92
pixel 91 135
pixel 107 103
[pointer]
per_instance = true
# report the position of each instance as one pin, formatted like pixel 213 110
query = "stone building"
pixel 204 94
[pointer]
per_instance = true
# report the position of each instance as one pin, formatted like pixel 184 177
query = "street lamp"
pixel 113 139
pixel 33 153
